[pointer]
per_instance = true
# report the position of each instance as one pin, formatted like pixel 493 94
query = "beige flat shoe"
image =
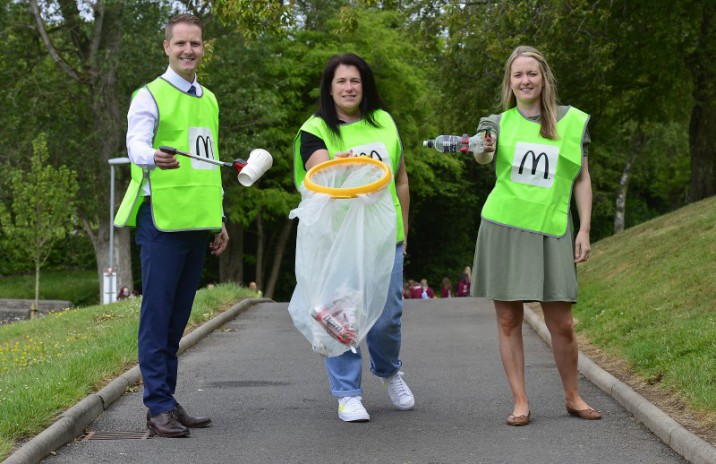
pixel 586 414
pixel 517 421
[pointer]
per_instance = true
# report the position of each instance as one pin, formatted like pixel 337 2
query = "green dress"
pixel 517 265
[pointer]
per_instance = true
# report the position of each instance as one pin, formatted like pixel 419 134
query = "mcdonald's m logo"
pixel 205 147
pixel 535 163
pixel 373 154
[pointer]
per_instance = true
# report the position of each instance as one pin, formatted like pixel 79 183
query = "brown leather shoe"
pixel 586 414
pixel 517 421
pixel 167 425
pixel 191 421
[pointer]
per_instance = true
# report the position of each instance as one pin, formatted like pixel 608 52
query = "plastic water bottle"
pixel 457 144
pixel 447 143
pixel 477 143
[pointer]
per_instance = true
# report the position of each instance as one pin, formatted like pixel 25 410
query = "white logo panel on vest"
pixel 201 143
pixel 375 150
pixel 534 164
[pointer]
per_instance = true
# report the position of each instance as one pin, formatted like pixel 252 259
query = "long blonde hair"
pixel 548 97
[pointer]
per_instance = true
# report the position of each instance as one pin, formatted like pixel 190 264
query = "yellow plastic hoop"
pixel 347 192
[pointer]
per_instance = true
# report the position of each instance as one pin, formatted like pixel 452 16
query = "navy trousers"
pixel 172 263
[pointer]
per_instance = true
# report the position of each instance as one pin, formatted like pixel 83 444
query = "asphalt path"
pixel 269 399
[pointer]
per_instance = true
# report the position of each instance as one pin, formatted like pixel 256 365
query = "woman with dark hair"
pixel 351 122
pixel 526 246
pixel 331 110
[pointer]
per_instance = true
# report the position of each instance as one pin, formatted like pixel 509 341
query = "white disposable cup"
pixel 258 163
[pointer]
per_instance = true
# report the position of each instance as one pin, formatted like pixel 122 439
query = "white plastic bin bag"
pixel 345 249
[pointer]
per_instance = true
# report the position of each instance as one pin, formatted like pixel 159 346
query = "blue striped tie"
pixel 192 90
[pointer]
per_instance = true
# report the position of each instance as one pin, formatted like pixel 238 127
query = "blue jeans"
pixel 383 341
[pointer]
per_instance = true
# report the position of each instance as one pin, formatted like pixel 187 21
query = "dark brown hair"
pixel 185 18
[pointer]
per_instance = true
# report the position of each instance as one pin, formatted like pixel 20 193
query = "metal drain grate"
pixel 116 436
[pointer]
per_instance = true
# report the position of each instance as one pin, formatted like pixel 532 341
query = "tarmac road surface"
pixel 269 399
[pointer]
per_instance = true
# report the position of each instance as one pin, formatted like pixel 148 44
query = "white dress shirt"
pixel 142 120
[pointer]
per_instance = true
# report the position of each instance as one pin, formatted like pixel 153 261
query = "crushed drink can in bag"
pixel 338 320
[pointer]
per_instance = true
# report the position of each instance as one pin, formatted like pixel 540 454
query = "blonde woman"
pixel 526 248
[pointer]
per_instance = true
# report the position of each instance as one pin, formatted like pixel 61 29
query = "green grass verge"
pixel 79 287
pixel 50 363
pixel 647 295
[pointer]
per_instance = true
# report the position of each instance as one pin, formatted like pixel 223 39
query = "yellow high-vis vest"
pixel 381 143
pixel 535 175
pixel 188 198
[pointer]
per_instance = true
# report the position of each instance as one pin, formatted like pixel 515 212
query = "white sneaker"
pixel 350 409
pixel 400 394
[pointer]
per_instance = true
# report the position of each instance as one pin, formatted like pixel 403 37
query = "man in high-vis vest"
pixel 174 204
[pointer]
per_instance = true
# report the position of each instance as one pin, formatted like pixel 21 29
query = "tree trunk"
pixel 278 257
pixel 123 258
pixel 108 125
pixel 620 210
pixel 33 310
pixel 123 235
pixel 100 242
pixel 703 150
pixel 260 241
pixel 702 126
pixel 122 261
pixel 231 261
pixel 121 255
pixel 97 70
pixel 637 146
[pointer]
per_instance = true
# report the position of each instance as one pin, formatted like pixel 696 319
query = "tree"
pixel 604 55
pixel 90 62
pixel 633 115
pixel 439 65
pixel 253 81
pixel 42 210
pixel 85 40
pixel 441 191
pixel 272 86
pixel 638 142
pixel 703 115
pixel 254 17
